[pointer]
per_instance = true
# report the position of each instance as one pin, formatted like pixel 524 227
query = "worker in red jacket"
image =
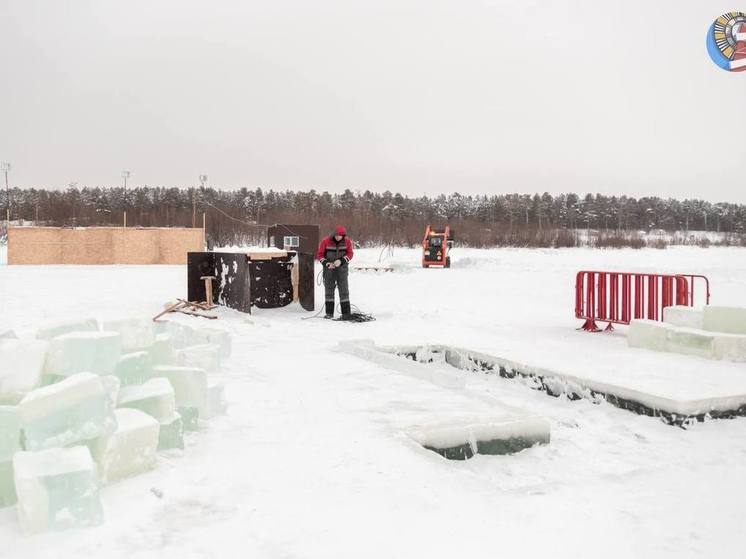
pixel 335 253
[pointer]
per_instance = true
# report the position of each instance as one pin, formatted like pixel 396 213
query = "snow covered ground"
pixel 311 461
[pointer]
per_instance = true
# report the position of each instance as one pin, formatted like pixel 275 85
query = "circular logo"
pixel 726 41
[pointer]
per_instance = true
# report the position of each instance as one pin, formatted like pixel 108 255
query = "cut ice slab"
pixel 691 341
pixel 204 356
pixel 190 385
pixel 10 443
pixel 137 333
pixel 462 438
pixel 648 334
pixel 77 352
pixel 73 410
pixel 680 392
pixel 171 433
pixel 730 347
pixel 112 385
pixel 134 368
pixel 181 334
pixel 456 423
pixel 437 374
pixel 59 328
pixel 10 432
pixel 155 397
pixel 21 367
pixel 660 336
pixel 730 320
pixel 680 315
pixel 189 418
pixel 7 484
pixel 57 489
pixel 162 350
pixel 131 449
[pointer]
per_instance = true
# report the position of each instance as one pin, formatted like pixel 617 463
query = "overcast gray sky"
pixel 408 95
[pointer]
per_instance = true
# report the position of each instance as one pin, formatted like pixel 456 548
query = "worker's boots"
pixel 345 309
pixel 330 309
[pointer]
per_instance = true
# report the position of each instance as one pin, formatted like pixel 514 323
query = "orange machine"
pixel 435 247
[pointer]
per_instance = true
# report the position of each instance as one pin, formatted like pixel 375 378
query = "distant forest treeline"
pixel 237 217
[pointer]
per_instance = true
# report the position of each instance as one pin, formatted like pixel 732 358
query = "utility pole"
pixel 125 175
pixel 202 181
pixel 5 167
pixel 71 186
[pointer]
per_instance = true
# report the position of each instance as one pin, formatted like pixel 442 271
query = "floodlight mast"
pixel 5 167
pixel 202 181
pixel 125 175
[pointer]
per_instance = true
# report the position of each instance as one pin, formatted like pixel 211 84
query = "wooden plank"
pixel 196 313
pixel 170 308
pixel 267 255
pixel 196 304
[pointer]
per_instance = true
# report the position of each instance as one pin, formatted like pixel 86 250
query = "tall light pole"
pixel 71 186
pixel 125 175
pixel 202 182
pixel 5 167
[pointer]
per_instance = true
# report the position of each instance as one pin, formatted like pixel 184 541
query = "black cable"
pixel 314 316
pixel 356 315
pixel 254 223
pixel 318 282
pixel 292 233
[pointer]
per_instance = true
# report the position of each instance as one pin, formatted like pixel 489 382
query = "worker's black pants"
pixel 336 277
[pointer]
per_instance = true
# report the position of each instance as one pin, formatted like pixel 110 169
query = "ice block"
pixel 131 449
pixel 21 367
pixel 134 368
pixel 57 489
pixel 71 411
pixel 162 350
pixel 57 329
pixel 77 352
pixel 190 385
pixel 10 443
pixel 155 397
pixel 171 433
pixel 204 356
pixel 137 333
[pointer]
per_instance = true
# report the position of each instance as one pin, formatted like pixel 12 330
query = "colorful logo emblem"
pixel 726 41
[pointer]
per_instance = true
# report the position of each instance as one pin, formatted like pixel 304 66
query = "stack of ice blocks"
pixel 711 332
pixel 82 405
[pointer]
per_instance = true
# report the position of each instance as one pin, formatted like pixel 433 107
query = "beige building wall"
pixel 102 245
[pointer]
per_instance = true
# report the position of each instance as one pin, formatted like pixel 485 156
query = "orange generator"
pixel 435 247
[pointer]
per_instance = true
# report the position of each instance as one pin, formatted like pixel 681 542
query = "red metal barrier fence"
pixel 620 297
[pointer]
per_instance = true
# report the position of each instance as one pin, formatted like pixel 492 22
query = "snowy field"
pixel 311 462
